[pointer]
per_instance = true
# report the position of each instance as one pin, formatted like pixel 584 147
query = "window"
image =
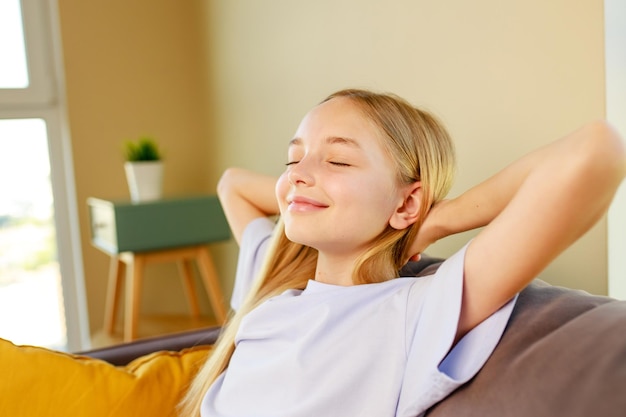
pixel 41 282
pixel 13 72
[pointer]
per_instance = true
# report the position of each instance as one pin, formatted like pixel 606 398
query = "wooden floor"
pixel 150 326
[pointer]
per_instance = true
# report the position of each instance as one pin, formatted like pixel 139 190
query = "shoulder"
pixel 258 229
pixel 437 274
pixel 255 237
pixel 255 241
pixel 253 247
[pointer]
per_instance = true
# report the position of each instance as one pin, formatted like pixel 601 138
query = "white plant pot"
pixel 145 180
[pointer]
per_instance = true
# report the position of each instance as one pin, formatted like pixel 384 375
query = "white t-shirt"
pixel 365 350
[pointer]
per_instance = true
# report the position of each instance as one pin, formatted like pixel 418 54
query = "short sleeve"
pixel 435 368
pixel 254 242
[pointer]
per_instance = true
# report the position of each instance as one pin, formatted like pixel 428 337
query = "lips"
pixel 304 204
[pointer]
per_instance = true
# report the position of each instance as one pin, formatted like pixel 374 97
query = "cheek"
pixel 281 190
pixel 382 197
pixel 368 195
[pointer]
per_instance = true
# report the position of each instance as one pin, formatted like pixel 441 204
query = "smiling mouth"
pixel 303 204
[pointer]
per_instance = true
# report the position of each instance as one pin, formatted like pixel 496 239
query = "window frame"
pixel 615 63
pixel 43 99
pixel 41 86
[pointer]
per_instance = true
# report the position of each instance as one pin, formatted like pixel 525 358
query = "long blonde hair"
pixel 422 150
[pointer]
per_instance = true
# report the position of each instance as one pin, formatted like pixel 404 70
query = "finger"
pixel 416 257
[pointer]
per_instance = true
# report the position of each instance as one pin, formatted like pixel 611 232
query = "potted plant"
pixel 144 169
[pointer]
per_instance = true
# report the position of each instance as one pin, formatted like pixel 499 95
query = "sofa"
pixel 563 353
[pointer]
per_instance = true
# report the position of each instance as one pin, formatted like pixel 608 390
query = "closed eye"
pixel 335 163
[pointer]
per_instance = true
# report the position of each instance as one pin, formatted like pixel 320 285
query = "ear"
pixel 408 211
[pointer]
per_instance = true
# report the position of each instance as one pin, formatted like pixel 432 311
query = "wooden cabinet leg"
pixel 184 266
pixel 133 297
pixel 117 270
pixel 209 276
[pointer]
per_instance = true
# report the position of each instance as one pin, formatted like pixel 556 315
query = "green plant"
pixel 144 149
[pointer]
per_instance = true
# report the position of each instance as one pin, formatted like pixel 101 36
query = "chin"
pixel 296 238
pixel 300 237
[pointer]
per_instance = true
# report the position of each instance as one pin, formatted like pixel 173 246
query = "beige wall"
pixel 224 83
pixel 506 77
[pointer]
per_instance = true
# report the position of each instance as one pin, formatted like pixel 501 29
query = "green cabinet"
pixel 124 226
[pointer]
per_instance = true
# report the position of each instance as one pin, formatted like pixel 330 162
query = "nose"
pixel 300 173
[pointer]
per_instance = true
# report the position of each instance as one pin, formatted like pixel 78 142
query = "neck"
pixel 335 269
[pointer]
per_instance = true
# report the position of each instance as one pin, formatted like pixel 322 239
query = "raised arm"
pixel 245 196
pixel 533 210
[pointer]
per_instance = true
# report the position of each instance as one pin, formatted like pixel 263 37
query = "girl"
pixel 325 328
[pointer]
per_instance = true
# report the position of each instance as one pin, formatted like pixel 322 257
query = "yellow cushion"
pixel 35 381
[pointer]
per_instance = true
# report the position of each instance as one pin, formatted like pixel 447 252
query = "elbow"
pixel 606 150
pixel 226 183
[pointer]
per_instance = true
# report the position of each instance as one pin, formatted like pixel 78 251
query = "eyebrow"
pixel 331 140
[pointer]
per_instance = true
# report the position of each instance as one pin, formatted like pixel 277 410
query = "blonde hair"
pixel 423 151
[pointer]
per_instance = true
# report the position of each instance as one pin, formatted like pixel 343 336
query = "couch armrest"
pixel 124 353
pixel 563 354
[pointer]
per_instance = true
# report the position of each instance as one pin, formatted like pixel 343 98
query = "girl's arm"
pixel 245 196
pixel 533 210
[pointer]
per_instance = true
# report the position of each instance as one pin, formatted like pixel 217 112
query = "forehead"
pixel 337 118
